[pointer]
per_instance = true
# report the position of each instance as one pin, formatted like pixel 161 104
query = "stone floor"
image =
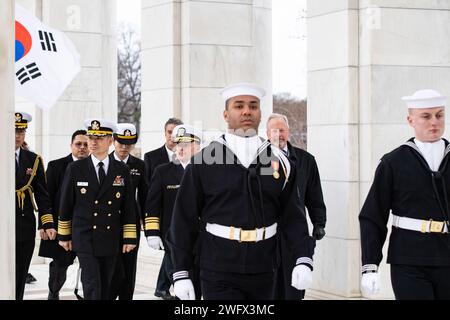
pixel 147 273
pixel 149 262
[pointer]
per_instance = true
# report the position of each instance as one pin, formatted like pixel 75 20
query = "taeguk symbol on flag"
pixel 23 41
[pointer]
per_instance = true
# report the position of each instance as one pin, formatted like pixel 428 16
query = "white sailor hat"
pixel 185 133
pixel 425 99
pixel 99 127
pixel 242 89
pixel 126 133
pixel 22 119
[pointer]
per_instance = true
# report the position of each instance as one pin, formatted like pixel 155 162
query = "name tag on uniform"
pixel 119 181
pixel 175 186
pixel 82 184
pixel 135 172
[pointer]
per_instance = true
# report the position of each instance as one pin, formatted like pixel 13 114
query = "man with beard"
pixel 239 187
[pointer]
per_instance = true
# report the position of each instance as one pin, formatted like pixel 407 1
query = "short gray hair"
pixel 278 116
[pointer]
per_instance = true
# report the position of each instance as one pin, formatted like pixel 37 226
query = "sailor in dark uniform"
pixel 412 181
pixel 50 248
pixel 239 187
pixel 97 216
pixel 125 139
pixel 30 186
pixel 163 191
pixel 308 183
pixel 152 159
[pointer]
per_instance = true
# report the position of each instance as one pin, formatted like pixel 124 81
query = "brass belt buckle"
pixel 247 236
pixel 423 228
pixel 436 226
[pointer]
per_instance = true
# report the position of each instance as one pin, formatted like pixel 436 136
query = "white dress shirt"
pixel 433 152
pixel 170 153
pixel 118 159
pixel 17 154
pixel 105 161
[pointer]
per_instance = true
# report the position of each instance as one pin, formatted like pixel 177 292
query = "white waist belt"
pixel 233 233
pixel 424 226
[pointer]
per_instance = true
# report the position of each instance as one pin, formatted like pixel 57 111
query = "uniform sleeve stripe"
pixel 180 275
pixel 65 232
pixel 47 218
pixel 65 227
pixel 152 226
pixel 129 235
pixel 369 267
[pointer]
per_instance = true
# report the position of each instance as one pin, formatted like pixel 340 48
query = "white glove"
pixel 301 277
pixel 155 242
pixel 370 283
pixel 184 289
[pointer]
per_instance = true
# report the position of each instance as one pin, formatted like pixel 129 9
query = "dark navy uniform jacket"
pixel 97 219
pixel 217 189
pixel 55 176
pixel 31 195
pixel 161 199
pixel 405 185
pixel 140 186
pixel 153 159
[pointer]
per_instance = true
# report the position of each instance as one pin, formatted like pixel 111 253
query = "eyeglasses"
pixel 81 144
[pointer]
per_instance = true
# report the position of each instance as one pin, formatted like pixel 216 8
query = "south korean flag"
pixel 46 60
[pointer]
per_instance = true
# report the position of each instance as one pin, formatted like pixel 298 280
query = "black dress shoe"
pixel 30 278
pixel 168 296
pixel 53 296
pixel 165 295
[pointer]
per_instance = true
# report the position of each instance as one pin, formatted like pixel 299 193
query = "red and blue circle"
pixel 23 41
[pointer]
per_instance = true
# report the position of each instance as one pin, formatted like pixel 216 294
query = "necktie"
pixel 101 173
pixel 286 153
pixel 174 157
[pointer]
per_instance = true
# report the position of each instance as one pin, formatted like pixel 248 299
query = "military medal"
pixel 118 195
pixel 83 190
pixel 276 167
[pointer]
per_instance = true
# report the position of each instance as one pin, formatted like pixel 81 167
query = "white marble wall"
pixel 333 139
pixel 192 49
pixel 363 57
pixel 403 47
pixel 7 226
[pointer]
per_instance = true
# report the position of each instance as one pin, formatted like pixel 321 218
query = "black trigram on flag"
pixel 47 41
pixel 28 72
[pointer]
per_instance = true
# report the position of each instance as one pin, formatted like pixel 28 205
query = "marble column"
pixel 7 213
pixel 190 50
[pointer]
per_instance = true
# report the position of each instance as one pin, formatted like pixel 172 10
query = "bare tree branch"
pixel 295 110
pixel 129 76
